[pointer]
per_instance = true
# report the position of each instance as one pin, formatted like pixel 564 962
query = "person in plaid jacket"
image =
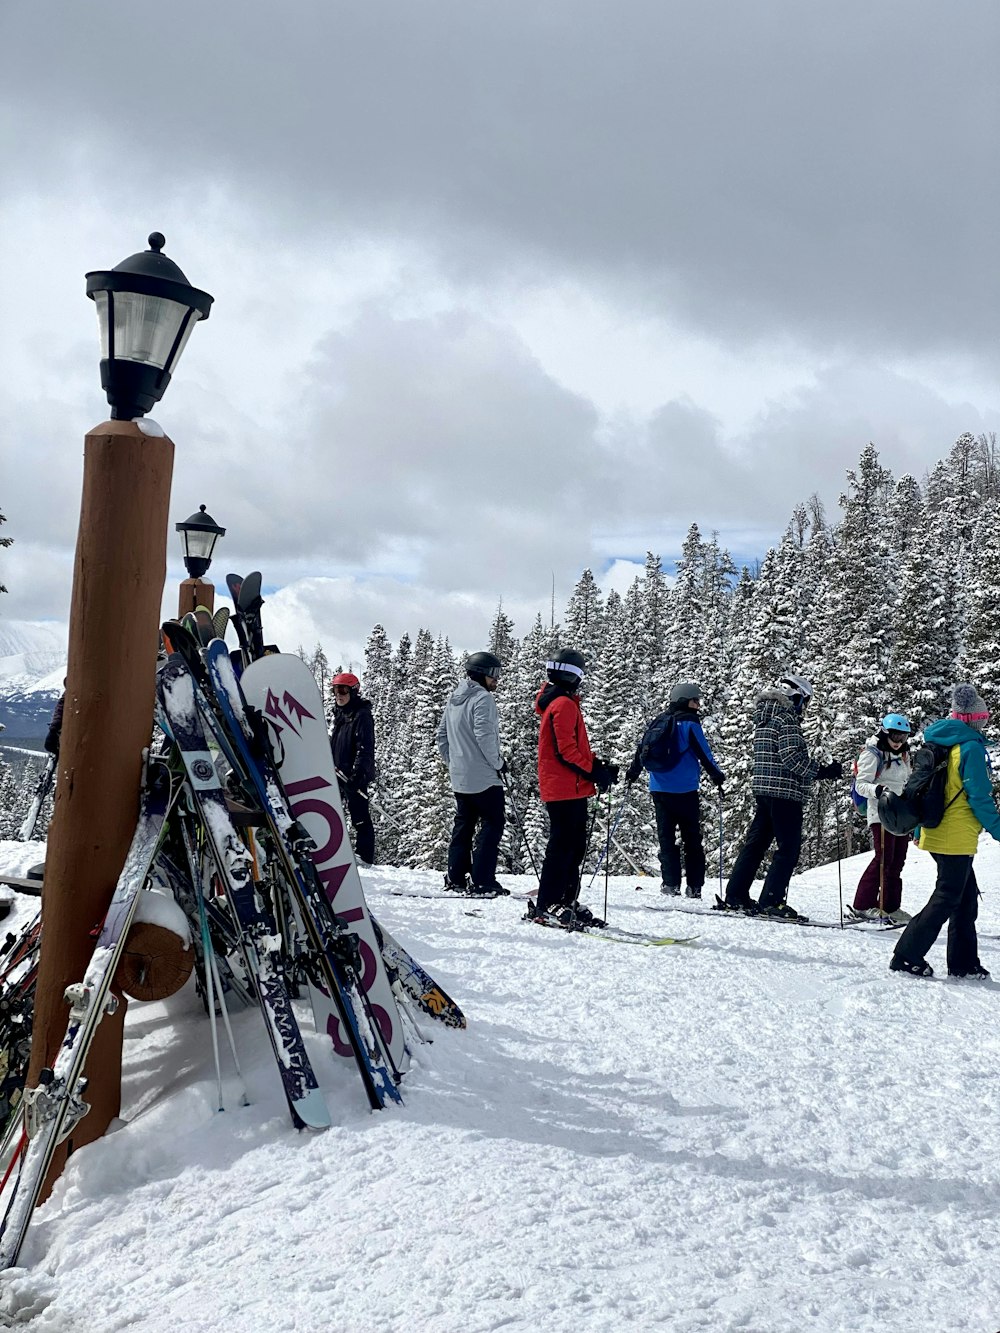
pixel 783 771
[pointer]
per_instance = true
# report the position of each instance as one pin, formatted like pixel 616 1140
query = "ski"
pixel 333 958
pixel 614 934
pixel 719 912
pixel 416 982
pixel 42 789
pixel 448 895
pixel 282 690
pixel 259 941
pixel 52 1109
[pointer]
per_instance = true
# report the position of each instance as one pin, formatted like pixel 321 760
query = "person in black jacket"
pixel 352 740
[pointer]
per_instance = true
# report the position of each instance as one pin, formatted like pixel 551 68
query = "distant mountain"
pixel 32 668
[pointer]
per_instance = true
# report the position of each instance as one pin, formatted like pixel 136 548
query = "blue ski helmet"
pixel 896 722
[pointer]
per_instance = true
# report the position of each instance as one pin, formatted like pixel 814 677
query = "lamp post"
pixel 199 535
pixel 146 310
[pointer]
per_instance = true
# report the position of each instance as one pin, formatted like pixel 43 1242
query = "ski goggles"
pixel 565 666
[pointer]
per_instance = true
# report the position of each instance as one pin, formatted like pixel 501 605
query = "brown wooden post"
pixel 195 593
pixel 118 582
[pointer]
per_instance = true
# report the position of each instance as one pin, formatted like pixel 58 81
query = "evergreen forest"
pixel 883 607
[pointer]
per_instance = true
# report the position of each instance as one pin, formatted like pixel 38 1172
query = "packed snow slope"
pixel 762 1131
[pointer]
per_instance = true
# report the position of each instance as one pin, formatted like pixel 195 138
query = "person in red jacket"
pixel 568 774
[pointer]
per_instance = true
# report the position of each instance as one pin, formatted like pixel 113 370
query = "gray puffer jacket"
pixel 469 738
pixel 782 766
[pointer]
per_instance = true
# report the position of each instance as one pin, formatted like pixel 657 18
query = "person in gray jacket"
pixel 469 741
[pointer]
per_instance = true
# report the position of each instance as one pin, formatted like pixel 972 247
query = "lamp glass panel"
pixel 101 302
pixel 200 544
pixel 145 327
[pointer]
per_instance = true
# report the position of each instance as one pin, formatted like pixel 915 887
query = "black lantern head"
pixel 146 309
pixel 199 533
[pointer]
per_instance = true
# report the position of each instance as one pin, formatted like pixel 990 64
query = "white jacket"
pixel 895 771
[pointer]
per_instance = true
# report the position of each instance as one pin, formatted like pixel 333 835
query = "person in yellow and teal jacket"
pixel 969 808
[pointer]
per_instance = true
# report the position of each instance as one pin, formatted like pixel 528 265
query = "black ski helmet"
pixel 684 692
pixel 483 664
pixel 566 668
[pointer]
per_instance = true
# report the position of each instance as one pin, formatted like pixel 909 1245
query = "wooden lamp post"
pixel 146 310
pixel 199 533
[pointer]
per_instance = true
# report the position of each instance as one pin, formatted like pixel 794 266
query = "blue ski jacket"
pixel 695 755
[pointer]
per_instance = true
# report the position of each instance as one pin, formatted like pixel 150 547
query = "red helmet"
pixel 346 678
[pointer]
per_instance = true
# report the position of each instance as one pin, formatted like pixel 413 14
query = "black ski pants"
pixel 485 810
pixel 956 900
pixel 360 815
pixel 559 882
pixel 776 820
pixel 680 812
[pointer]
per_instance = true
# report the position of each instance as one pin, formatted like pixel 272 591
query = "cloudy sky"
pixel 503 287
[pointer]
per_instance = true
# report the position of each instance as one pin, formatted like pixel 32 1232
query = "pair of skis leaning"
pixel 213 699
pixel 52 1109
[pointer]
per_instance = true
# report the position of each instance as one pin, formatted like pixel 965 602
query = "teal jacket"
pixel 968 791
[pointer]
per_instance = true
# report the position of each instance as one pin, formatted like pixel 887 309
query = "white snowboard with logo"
pixel 282 687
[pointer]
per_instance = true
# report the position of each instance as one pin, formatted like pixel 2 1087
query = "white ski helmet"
pixel 797 688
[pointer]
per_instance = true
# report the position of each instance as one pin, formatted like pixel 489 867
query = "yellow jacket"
pixel 967 775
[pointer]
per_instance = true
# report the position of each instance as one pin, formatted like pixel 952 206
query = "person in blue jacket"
pixel 674 762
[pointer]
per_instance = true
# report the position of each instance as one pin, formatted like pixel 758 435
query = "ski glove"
pixel 718 777
pixel 632 773
pixel 503 770
pixel 834 769
pixel 603 775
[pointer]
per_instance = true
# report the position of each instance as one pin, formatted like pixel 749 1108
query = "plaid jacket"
pixel 781 763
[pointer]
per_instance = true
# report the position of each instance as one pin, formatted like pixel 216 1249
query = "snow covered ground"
pixel 764 1131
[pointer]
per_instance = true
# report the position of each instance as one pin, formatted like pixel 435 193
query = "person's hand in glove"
pixel 603 775
pixel 834 769
pixel 632 773
pixel 717 776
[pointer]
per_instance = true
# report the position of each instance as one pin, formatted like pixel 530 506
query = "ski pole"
pixel 380 809
pixel 607 857
pixel 519 824
pixel 627 856
pixel 840 885
pixel 722 891
pixel 614 830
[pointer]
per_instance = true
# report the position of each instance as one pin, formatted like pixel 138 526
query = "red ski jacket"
pixel 564 753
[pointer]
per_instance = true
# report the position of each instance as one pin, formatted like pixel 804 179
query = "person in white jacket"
pixel 884 764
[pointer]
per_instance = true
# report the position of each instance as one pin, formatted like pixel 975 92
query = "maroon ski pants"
pixel 886 866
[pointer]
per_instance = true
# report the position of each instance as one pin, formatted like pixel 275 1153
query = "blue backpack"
pixel 862 801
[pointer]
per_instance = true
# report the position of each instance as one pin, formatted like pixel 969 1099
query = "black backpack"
pixel 658 748
pixel 921 801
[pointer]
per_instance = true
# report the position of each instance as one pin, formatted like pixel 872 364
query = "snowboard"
pixel 284 690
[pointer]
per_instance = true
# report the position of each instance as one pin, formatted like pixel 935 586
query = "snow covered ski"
pixel 331 957
pixel 42 788
pixel 282 688
pixel 259 940
pixel 416 981
pixel 53 1108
